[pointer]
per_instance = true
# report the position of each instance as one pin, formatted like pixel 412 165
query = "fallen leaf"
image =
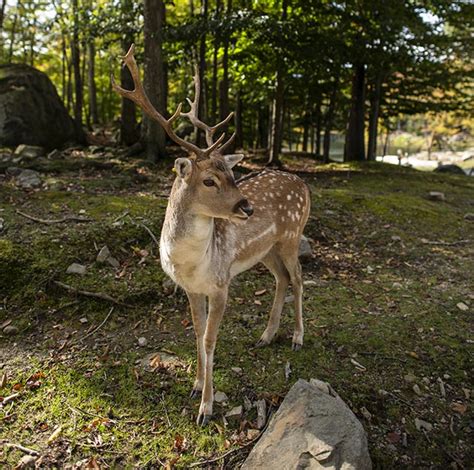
pixel 393 437
pixel 185 322
pixel 460 408
pixel 260 292
pixel 257 302
pixel 55 434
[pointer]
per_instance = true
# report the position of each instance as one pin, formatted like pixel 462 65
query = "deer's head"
pixel 206 174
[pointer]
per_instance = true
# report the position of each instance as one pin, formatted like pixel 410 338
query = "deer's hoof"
pixel 261 343
pixel 296 346
pixel 203 420
pixel 195 393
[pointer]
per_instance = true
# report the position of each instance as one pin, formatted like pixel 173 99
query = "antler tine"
pixel 138 96
pixel 192 114
pixel 229 141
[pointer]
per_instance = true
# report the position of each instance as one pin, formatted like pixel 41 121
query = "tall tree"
pixel 76 65
pixel 278 102
pixel 354 145
pixel 153 134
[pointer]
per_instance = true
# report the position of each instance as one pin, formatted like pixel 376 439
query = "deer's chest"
pixel 193 266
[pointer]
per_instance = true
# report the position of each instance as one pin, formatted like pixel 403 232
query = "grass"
pixel 389 270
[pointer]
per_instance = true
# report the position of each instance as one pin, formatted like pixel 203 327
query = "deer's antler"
pixel 138 96
pixel 193 113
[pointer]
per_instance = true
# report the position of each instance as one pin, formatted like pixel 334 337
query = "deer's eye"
pixel 209 182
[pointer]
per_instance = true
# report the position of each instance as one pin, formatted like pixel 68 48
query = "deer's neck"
pixel 192 245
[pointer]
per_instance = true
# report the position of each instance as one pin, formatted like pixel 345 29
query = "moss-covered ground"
pixel 388 308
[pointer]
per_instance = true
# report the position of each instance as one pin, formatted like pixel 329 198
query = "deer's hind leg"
pixel 276 266
pixel 289 256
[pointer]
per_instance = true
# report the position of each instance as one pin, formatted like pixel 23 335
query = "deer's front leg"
pixel 217 304
pixel 197 302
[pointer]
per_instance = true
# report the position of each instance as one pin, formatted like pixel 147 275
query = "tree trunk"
pixel 224 84
pixel 94 115
pixel 328 119
pixel 129 133
pixel 202 105
pixel 374 118
pixel 153 134
pixel 64 62
pixel 306 128
pixel 354 148
pixel 215 69
pixel 239 135
pixel 12 36
pixel 76 64
pixel 277 118
pixel 319 123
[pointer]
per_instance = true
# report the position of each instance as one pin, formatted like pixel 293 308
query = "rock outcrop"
pixel 313 429
pixel 31 111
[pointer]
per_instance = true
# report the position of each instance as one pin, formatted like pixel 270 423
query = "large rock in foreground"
pixel 313 429
pixel 31 111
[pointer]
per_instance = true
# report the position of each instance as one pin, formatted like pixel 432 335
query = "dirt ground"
pixel 103 381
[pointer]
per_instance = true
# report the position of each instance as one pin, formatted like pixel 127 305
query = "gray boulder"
pixel 31 111
pixel 28 179
pixel 305 250
pixel 313 429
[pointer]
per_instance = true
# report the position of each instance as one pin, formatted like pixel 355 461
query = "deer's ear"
pixel 232 160
pixel 183 168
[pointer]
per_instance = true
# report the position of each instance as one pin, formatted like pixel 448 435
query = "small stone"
pixel 382 393
pixel 83 320
pixel 168 286
pixel 27 461
pixel 397 285
pixel 220 397
pixel 236 370
pixel 366 413
pixel 28 179
pixel 417 390
pixel 462 306
pixel 142 341
pixel 289 298
pixel 103 254
pixel 29 151
pixel 409 378
pixel 436 196
pixel 113 262
pixel 469 216
pixel 252 434
pixel 247 404
pixel 305 250
pixel 421 424
pixel 396 238
pixel 310 282
pixel 235 412
pixel 76 268
pixel 10 330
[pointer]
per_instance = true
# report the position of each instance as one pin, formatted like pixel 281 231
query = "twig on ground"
pixel 443 243
pixel 68 218
pixel 9 398
pixel 229 452
pixel 24 449
pixel 95 329
pixel 152 235
pixel 389 358
pixel 95 295
pixel 88 413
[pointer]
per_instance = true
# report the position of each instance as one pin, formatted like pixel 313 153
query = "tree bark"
pixel 328 119
pixel 319 123
pixel 306 128
pixel 374 118
pixel 354 148
pixel 224 84
pixel 129 133
pixel 76 64
pixel 94 115
pixel 202 105
pixel 277 118
pixel 153 134
pixel 239 135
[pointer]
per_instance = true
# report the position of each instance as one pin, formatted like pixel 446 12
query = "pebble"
pixel 436 196
pixel 10 330
pixel 417 390
pixel 83 320
pixel 237 370
pixel 469 216
pixel 76 268
pixel 220 397
pixel 103 254
pixel 235 412
pixel 142 341
pixel 462 306
pixel 422 424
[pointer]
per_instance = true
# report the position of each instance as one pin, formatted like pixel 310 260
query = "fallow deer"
pixel 216 228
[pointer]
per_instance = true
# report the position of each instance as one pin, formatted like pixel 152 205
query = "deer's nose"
pixel 244 206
